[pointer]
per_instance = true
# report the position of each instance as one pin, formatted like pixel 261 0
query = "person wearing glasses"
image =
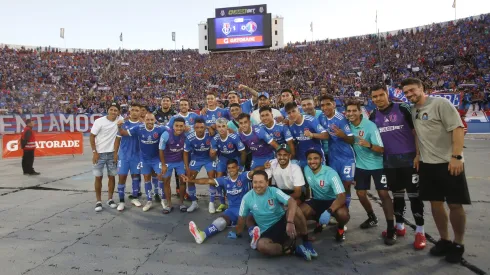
pixel 440 163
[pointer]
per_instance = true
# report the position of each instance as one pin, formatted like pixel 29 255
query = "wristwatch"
pixel 94 151
pixel 329 211
pixel 458 157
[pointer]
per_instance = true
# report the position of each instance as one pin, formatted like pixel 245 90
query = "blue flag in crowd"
pixel 396 93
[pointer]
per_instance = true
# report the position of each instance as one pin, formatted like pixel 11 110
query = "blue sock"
pixel 192 192
pixel 160 190
pixel 221 195
pixel 211 230
pixel 120 190
pixel 154 181
pixel 148 190
pixel 250 229
pixel 212 193
pixel 347 200
pixel 136 186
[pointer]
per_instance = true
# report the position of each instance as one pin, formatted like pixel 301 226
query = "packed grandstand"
pixel 450 57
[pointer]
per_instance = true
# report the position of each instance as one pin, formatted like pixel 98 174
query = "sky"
pixel 148 24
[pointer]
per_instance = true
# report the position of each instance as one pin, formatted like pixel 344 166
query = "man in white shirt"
pixel 102 136
pixel 265 101
pixel 285 175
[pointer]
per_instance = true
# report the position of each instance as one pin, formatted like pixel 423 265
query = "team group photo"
pixel 364 154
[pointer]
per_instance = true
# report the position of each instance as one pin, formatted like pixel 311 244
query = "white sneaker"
pixel 211 208
pixel 193 207
pixel 98 206
pixel 120 206
pixel 147 206
pixel 164 204
pixel 111 204
pixel 136 202
pixel 199 236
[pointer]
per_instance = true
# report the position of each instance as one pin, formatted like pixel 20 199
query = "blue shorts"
pixel 124 166
pixel 178 166
pixel 232 214
pixel 363 179
pixel 345 168
pixel 107 160
pixel 196 165
pixel 221 167
pixel 259 161
pixel 147 166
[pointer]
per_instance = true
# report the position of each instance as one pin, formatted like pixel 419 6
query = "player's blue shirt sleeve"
pixel 187 145
pixel 214 145
pixel 281 196
pixel 238 143
pixel 135 131
pixel 317 126
pixel 344 126
pixel 287 133
pixel 263 135
pixel 163 141
pixel 171 122
pixel 221 181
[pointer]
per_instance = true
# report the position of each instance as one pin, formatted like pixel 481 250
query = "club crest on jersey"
pixel 361 133
pixel 270 202
pixel 392 117
pixel 155 135
pixel 277 134
pixel 239 183
pixel 191 120
pixel 230 145
pixel 208 142
pixel 322 183
pixel 219 114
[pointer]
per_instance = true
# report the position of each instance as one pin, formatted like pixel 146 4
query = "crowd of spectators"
pixel 452 56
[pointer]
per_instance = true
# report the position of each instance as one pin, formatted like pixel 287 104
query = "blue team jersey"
pixel 229 147
pixel 198 147
pixel 306 143
pixel 258 141
pixel 129 148
pixel 149 140
pixel 279 132
pixel 247 106
pixel 212 115
pixel 190 119
pixel 285 114
pixel 235 189
pixel 337 147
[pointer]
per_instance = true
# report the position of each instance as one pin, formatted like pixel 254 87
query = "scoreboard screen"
pixel 239 32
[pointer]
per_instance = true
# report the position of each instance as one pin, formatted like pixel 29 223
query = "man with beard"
pixel 440 163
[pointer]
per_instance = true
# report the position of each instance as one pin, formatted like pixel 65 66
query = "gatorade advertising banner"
pixel 47 144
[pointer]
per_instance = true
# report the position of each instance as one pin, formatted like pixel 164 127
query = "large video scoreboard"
pixel 237 28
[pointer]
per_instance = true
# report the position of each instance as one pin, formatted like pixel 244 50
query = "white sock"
pixel 400 226
pixel 420 229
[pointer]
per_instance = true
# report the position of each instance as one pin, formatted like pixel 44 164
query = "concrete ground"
pixel 48 226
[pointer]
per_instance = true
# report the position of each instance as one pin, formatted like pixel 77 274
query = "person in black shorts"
pixel 440 163
pixel 395 124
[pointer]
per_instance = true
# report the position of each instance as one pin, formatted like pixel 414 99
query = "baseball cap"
pixel 266 94
pixel 284 147
pixel 114 104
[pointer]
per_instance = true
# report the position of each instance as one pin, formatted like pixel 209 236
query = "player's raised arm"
pixel 204 181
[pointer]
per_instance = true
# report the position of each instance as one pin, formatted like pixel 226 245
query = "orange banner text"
pixel 238 40
pixel 47 144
